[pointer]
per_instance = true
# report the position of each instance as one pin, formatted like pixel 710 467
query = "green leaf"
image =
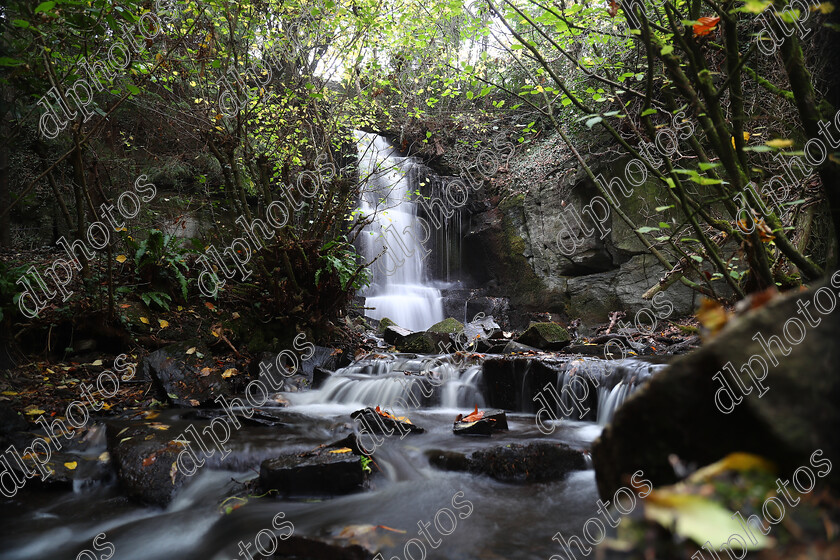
pixel 667 49
pixel 44 7
pixel 697 258
pixel 647 229
pixel 20 23
pixel 650 111
pixel 696 517
pixel 593 121
pixel 663 208
pixel 664 225
pixel 6 61
pixel 134 90
pixel 706 166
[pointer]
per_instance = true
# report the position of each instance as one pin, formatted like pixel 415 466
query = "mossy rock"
pixel 545 336
pixel 447 326
pixel 384 323
pixel 417 343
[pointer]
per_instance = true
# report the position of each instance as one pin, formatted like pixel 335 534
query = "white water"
pixel 397 288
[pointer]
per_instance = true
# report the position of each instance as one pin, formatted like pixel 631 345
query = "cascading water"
pixel 397 290
pixel 402 383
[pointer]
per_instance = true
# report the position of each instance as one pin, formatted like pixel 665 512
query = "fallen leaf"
pixel 705 25
pixel 738 461
pixel 712 315
pixel 144 320
pixel 121 258
pixel 191 350
pixel 34 411
pixel 474 416
pixel 612 9
pixel 104 457
pixel 230 372
pixel 779 143
pixel 342 450
pixel 125 305
pixel 697 518
pixel 96 363
pixel 71 465
pixel 209 305
pixel 204 372
pixel 149 460
pixel 163 323
pixel 9 393
pixel 235 315
pixel 173 471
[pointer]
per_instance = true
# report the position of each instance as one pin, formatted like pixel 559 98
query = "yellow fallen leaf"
pixel 738 461
pixel 158 426
pixel 696 518
pixel 71 465
pixel 230 372
pixel 173 471
pixel 104 457
pixel 163 323
pixel 9 393
pixel 204 372
pixel 34 411
pixel 191 350
pixel 144 320
pixel 342 450
pixel 779 143
pixel 96 363
pixel 121 258
pixel 50 371
pixel 235 315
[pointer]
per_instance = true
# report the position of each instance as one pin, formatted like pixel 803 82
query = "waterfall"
pixel 397 288
pixel 400 383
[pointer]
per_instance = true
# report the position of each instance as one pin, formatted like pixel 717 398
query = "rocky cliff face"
pixel 544 251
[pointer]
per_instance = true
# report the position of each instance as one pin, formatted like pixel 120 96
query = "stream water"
pixel 507 520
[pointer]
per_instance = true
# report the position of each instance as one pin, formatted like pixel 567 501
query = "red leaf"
pixel 612 9
pixel 705 25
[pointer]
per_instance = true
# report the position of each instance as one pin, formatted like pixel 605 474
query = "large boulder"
pixel 687 410
pixel 532 462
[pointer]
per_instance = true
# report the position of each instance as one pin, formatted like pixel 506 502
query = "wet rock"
pixel 329 471
pixel 372 422
pixel 145 460
pixel 184 379
pixel 384 323
pixel 394 334
pixel 545 336
pixel 533 462
pixel 311 549
pixel 676 412
pixel 512 347
pixel 319 375
pixel 491 421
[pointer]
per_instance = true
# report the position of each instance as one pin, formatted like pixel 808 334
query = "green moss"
pixel 384 323
pixel 449 325
pixel 417 343
pixel 552 332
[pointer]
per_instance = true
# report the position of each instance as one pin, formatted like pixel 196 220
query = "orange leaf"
pixel 474 416
pixel 209 305
pixel 705 25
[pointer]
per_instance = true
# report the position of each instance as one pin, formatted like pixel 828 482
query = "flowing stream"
pixel 508 520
